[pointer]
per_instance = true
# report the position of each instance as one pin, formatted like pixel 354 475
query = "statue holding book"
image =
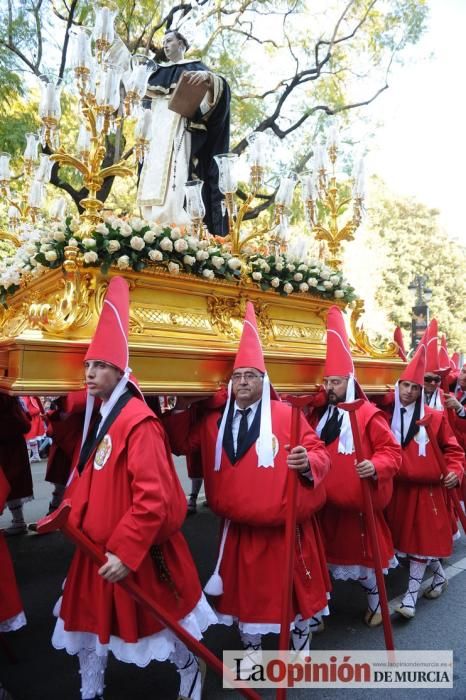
pixel 191 123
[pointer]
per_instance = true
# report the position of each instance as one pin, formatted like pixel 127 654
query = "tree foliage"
pixel 406 238
pixel 290 65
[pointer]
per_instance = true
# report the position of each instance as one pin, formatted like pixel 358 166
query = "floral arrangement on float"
pixel 136 244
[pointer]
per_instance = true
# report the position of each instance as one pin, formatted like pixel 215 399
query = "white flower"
pixel 59 236
pixel 291 267
pixel 275 282
pixel 149 237
pixel 113 246
pixel 189 260
pixel 279 266
pixel 297 277
pixel 89 242
pixel 175 233
pixel 73 241
pixel 180 245
pixel 325 274
pixel 287 288
pixel 50 255
pixel 202 255
pixel 125 230
pixel 335 279
pixel 338 294
pixel 44 247
pixel 257 276
pixel 123 262
pixel 303 287
pixel 137 243
pixel 90 257
pixel 155 255
pixel 312 282
pixel 327 284
pixel 302 267
pixel 210 274
pixel 217 261
pixel 234 263
pixel 156 229
pixel 192 242
pixel 166 244
pixel 173 268
pixel 101 228
pixel 31 249
pixel 137 224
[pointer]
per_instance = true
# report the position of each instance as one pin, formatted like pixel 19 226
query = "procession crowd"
pixel 109 454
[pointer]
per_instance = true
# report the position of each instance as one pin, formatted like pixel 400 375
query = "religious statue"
pixel 181 148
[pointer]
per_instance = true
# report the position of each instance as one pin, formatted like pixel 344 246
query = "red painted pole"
pixel 452 493
pixel 290 535
pixel 58 520
pixel 370 523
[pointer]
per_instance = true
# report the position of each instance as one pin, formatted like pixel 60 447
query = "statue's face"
pixel 174 48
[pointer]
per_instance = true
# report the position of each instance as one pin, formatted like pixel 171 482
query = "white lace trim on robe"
pixel 13 623
pixel 346 572
pixel 156 647
pixel 262 627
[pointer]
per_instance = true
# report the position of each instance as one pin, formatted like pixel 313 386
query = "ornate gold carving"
pixel 73 306
pixel 361 345
pixel 299 332
pixel 227 315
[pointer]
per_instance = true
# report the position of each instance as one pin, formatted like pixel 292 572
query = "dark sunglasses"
pixel 432 380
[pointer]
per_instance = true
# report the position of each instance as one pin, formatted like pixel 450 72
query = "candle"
pixel 58 208
pixel 5 172
pixel 258 142
pixel 35 194
pixel 227 178
pixel 144 125
pixel 44 170
pixel 83 143
pixel 32 146
pixel 308 187
pixel 284 195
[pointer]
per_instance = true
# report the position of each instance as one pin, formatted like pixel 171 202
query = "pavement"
pixel 42 673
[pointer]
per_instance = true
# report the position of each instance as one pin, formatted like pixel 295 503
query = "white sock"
pixel 92 670
pixel 439 573
pixel 188 670
pixel 314 622
pixel 369 583
pixel 416 574
pixel 300 635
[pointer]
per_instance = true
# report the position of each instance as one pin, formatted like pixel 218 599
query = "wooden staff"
pixel 58 520
pixel 352 407
pixel 290 532
pixel 452 493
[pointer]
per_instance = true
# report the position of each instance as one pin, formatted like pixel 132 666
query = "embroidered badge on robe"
pixel 275 445
pixel 103 452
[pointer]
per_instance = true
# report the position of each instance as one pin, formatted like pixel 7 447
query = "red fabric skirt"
pixel 346 538
pixel 252 573
pixel 419 517
pixel 10 601
pixel 91 604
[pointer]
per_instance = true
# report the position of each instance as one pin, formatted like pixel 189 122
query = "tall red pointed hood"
pixel 110 341
pixel 415 371
pixel 455 360
pixel 432 357
pixel 250 347
pixel 338 360
pixel 398 338
pixel 444 358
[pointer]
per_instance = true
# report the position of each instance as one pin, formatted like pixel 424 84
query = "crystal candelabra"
pixel 323 203
pixel 100 104
pixel 228 184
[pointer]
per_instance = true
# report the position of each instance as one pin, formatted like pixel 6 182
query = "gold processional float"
pixel 188 289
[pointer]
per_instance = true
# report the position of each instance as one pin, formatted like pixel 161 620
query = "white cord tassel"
pixel 214 585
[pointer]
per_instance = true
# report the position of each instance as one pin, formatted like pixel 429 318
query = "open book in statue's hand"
pixel 186 98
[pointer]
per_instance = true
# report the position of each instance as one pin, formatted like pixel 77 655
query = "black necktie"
pixel 243 429
pixel 402 428
pixel 332 428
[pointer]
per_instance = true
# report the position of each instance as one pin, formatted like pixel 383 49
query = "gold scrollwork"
pixel 361 345
pixel 227 315
pixel 74 306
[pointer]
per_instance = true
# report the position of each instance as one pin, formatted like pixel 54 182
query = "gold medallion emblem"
pixel 103 452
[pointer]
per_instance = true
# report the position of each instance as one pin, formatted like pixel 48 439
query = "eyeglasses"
pixel 432 380
pixel 247 376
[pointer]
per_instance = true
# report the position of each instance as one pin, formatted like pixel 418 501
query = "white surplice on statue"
pixel 166 166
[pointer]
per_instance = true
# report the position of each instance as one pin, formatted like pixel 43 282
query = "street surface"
pixel 42 673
